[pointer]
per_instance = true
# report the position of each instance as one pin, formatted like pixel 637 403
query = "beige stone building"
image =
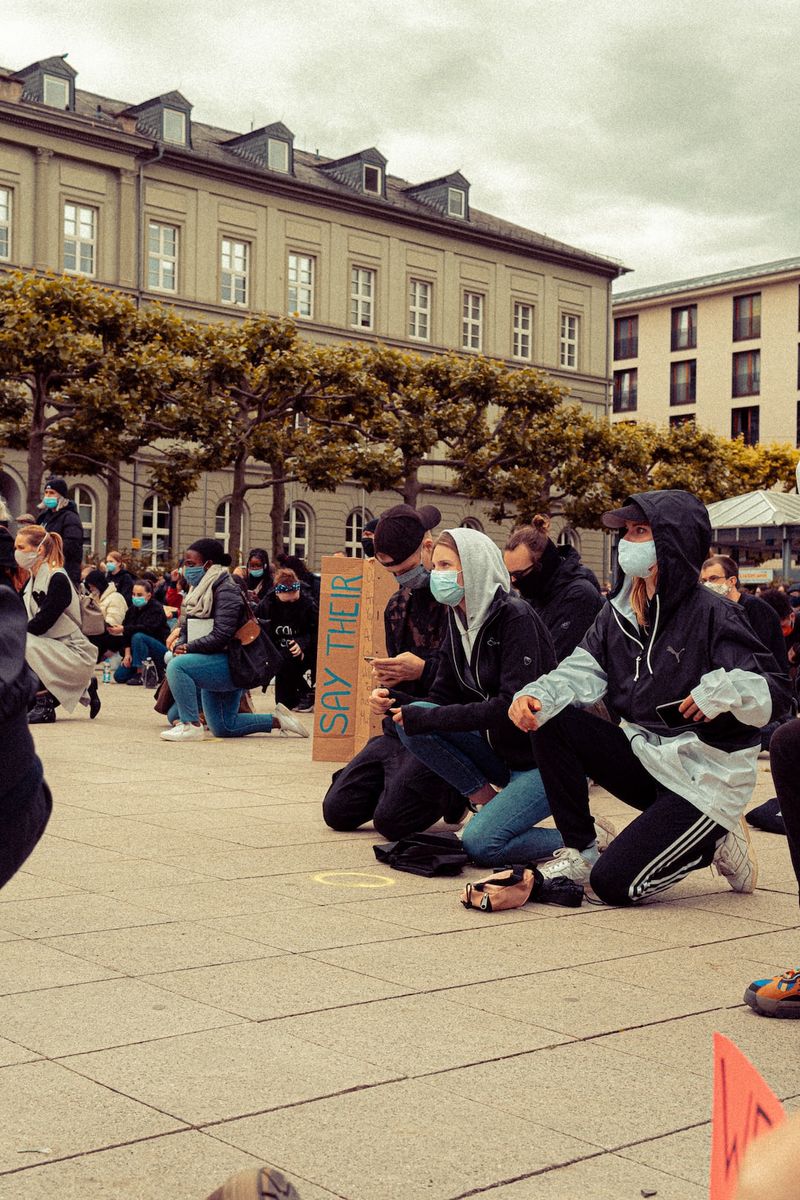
pixel 222 224
pixel 722 350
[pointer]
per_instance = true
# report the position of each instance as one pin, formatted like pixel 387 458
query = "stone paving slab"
pixel 200 950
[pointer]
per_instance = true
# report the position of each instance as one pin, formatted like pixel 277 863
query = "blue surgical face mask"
pixel 445 587
pixel 50 501
pixel 415 577
pixel 111 566
pixel 637 558
pixel 193 575
pixel 139 601
pixel 256 572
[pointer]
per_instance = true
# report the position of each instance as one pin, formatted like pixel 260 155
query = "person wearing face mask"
pixel 689 768
pixel 198 670
pixel 144 634
pixel 720 574
pixel 368 538
pixel 383 783
pixel 58 514
pixel 291 618
pixel 258 575
pixel 119 574
pixel 554 581
pixel 57 650
pixel 113 607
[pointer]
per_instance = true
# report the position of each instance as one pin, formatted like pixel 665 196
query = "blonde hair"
pixel 639 601
pixel 37 535
pixel 285 575
pixel 117 557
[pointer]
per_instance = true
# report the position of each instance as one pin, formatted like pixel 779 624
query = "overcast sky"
pixel 662 133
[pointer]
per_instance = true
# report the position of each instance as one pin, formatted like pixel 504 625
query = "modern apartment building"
pixel 722 350
pixel 222 224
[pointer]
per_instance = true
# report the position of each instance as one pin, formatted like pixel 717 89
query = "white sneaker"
pixel 183 733
pixel 735 858
pixel 606 832
pixel 289 723
pixel 567 863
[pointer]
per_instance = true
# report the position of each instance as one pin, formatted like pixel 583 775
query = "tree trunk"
pixel 112 515
pixel 237 505
pixel 33 497
pixel 278 508
pixel 412 487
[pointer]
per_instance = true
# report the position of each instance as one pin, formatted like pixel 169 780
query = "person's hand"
pixel 173 636
pixel 395 670
pixel 770 1166
pixel 126 662
pixel 380 701
pixel 523 712
pixel 691 711
pixel 181 649
pixel 294 649
pixel 397 716
pixel 116 630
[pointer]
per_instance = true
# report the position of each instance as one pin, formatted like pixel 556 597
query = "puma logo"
pixel 677 653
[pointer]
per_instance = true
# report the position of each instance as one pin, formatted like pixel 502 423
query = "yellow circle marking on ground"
pixel 353 879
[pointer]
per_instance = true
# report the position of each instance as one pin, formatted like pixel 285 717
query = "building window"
pixel 625 390
pixel 568 341
pixel 626 337
pixel 522 341
pixel 683 382
pixel 235 264
pixel 56 91
pixel 682 419
pixel 372 179
pixel 84 502
pixel 746 317
pixel 472 523
pixel 419 310
pixel 684 328
pixel 296 531
pixel 353 531
pixel 456 202
pixel 80 239
pixel 362 296
pixel 156 530
pixel 5 224
pixel 301 286
pixel 162 257
pixel 174 126
pixel 472 321
pixel 222 524
pixel 744 424
pixel 278 155
pixel 747 373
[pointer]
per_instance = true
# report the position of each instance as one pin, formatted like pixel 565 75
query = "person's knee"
pixel 483 850
pixel 393 824
pixel 609 883
pixel 336 814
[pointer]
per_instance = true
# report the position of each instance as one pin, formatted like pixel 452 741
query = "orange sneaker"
pixel 256 1183
pixel 777 997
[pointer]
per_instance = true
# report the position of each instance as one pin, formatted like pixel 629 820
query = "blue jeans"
pixel 506 829
pixel 209 675
pixel 142 646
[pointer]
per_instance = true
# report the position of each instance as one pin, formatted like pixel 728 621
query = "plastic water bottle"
pixel 106 673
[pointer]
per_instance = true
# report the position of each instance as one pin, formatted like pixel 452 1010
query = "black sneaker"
pixel 43 712
pixel 767 817
pixel 134 681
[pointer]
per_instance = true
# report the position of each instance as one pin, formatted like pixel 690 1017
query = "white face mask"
pixel 721 588
pixel 637 558
pixel 26 558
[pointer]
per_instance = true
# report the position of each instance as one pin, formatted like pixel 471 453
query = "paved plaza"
pixel 198 976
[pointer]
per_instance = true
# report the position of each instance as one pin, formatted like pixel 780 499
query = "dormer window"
pixel 456 206
pixel 278 155
pixel 56 91
pixel 174 126
pixel 373 180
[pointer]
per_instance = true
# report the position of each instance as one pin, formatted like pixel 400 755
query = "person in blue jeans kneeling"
pixel 144 630
pixel 198 671
pixel 462 731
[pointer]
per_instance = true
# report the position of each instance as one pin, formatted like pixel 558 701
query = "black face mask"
pixel 529 585
pixel 368 546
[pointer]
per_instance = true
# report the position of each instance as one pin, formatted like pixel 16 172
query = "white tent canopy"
pixel 772 518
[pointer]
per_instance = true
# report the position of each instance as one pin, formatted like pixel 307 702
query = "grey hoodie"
pixel 484 572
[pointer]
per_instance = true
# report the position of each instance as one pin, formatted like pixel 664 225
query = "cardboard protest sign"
pixel 744 1108
pixel 353 597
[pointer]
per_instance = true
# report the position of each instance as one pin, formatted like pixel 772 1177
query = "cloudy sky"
pixel 662 133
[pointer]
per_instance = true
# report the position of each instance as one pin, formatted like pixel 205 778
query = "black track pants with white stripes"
pixel 669 839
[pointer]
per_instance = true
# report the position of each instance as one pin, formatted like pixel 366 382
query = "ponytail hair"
pixel 36 536
pixel 638 600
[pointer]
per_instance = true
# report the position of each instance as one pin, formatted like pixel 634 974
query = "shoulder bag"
pixel 253 658
pixel 93 623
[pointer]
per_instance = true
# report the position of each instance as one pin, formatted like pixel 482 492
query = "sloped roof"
pixel 781 266
pixel 765 509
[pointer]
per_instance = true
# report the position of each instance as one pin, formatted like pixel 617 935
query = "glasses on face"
pixel 517 575
pixel 287 587
pixel 715 579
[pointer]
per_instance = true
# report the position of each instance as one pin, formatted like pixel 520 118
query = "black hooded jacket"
pixel 691 632
pixel 565 594
pixel 66 522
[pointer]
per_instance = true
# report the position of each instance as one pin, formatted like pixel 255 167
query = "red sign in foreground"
pixel 745 1106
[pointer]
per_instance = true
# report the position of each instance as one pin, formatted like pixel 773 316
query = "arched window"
pixel 472 523
pixel 569 537
pixel 222 526
pixel 85 504
pixel 297 531
pixel 156 530
pixel 353 529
